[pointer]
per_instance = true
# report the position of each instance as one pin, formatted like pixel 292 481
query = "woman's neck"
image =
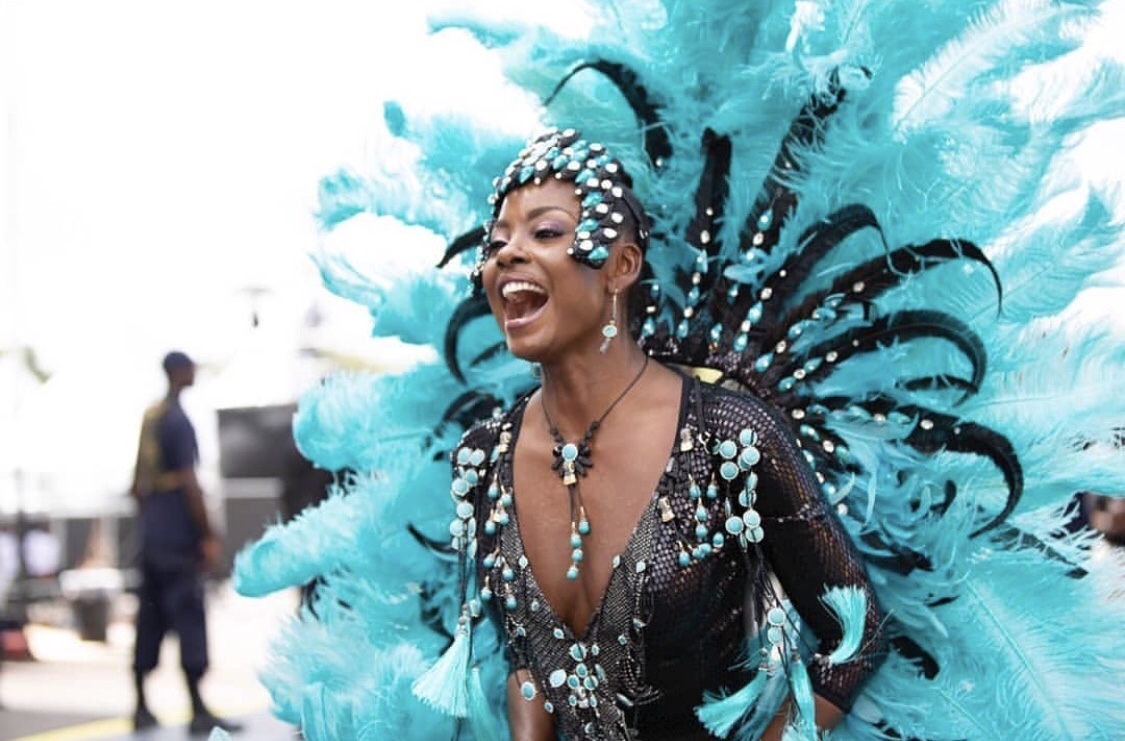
pixel 579 390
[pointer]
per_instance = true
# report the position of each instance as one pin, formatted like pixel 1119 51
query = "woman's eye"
pixel 548 232
pixel 494 246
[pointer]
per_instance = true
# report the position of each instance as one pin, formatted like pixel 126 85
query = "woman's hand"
pixel 827 716
pixel 528 720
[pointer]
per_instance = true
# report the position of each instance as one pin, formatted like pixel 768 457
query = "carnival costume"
pixel 868 252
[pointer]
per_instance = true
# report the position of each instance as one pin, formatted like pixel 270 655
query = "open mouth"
pixel 523 302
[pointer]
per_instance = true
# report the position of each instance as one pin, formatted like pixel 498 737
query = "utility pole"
pixel 17 597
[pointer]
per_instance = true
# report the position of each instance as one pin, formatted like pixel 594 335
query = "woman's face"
pixel 546 303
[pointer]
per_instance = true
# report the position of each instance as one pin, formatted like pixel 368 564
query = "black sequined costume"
pixel 672 622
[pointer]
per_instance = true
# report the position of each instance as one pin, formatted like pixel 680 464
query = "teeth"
pixel 520 285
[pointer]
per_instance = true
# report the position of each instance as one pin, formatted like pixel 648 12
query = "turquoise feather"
pixel 720 713
pixel 944 138
pixel 849 605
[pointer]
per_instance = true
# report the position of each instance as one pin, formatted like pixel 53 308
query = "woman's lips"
pixel 523 303
pixel 519 314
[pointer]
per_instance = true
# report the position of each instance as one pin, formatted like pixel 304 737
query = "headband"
pixel 601 184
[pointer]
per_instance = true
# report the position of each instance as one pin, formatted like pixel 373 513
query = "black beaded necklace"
pixel 572 461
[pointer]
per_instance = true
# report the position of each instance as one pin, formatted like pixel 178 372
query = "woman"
pixel 630 519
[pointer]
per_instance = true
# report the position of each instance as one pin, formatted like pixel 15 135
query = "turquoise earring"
pixel 609 330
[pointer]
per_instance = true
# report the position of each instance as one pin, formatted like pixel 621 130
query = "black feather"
pixel 658 145
pixel 466 241
pixel 902 327
pixel 471 308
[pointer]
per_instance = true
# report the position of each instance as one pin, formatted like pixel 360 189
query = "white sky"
pixel 158 159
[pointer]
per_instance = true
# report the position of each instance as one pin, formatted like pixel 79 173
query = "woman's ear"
pixel 624 268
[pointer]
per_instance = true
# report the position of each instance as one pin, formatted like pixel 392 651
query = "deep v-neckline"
pixel 645 520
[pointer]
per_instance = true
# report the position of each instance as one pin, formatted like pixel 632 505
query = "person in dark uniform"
pixel 178 547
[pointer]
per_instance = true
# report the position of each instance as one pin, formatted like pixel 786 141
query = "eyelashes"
pixel 543 233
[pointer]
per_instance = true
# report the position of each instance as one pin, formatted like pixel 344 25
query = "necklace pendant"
pixel 571 461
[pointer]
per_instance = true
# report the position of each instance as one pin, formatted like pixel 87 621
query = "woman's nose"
pixel 510 252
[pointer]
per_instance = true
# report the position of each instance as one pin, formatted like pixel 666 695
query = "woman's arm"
pixel 827 716
pixel 528 720
pixel 809 551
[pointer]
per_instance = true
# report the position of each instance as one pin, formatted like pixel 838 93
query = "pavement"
pixel 77 690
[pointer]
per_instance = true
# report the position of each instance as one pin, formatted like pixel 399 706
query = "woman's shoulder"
pixel 485 433
pixel 727 412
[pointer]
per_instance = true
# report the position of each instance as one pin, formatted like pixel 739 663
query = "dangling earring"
pixel 609 330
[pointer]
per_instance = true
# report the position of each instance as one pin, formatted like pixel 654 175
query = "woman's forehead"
pixel 551 193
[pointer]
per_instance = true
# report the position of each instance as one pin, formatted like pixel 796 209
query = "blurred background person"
pixel 178 547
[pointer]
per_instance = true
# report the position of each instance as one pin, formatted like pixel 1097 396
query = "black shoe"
pixel 203 723
pixel 143 720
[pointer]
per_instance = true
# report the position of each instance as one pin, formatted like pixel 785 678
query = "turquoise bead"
pixel 569 452
pixel 572 573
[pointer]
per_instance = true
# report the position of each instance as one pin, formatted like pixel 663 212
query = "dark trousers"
pixel 170 598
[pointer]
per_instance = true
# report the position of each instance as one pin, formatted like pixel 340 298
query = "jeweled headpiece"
pixel 601 183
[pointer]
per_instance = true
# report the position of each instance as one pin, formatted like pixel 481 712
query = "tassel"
pixel 849 605
pixel 444 685
pixel 803 724
pixel 720 714
pixel 486 726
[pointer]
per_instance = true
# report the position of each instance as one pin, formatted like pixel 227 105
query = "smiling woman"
pixel 579 528
pixel 781 463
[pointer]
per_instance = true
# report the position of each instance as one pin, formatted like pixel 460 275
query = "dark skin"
pixel 552 310
pixel 210 549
